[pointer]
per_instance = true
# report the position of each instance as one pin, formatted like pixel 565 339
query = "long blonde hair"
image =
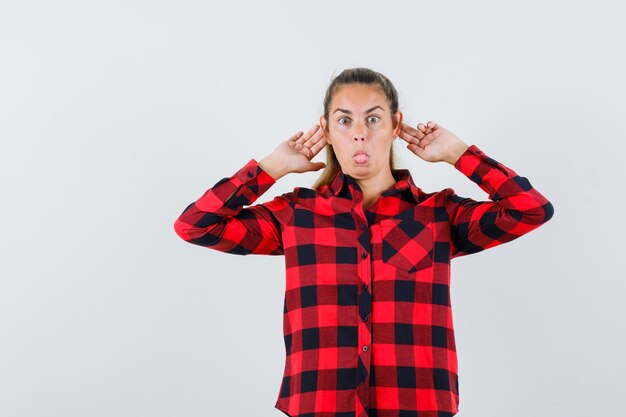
pixel 354 76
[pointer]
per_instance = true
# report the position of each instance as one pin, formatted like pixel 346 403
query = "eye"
pixel 346 118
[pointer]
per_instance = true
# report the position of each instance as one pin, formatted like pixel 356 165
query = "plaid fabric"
pixel 367 321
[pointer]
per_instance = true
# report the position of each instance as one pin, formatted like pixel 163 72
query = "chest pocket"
pixel 407 243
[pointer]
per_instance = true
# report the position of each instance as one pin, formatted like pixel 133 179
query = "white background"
pixel 115 115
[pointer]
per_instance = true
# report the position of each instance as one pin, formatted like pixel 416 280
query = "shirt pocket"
pixel 407 244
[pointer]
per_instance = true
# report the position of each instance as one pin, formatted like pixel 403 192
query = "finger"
pixel 304 150
pixel 319 144
pixel 319 134
pixel 411 140
pixel 314 144
pixel 308 134
pixel 414 132
pixel 317 137
pixel 410 134
pixel 432 135
pixel 428 127
pixel 417 151
pixel 296 136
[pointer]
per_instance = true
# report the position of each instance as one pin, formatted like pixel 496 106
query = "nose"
pixel 358 133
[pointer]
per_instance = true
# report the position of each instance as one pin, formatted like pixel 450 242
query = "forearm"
pixel 515 209
pixel 219 220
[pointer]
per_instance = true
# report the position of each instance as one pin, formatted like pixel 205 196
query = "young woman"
pixel 368 326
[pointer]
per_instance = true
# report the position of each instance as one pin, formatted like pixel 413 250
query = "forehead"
pixel 358 97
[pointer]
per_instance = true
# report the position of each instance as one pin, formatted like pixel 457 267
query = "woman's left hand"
pixel 432 142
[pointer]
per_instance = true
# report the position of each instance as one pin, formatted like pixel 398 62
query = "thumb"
pixel 316 166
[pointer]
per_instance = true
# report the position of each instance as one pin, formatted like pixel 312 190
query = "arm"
pixel 516 207
pixel 218 220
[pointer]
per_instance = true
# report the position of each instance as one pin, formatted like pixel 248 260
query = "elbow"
pixel 548 211
pixel 536 216
pixel 180 229
pixel 541 214
pixel 196 235
pixel 184 230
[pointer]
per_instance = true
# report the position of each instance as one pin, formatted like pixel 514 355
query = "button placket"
pixel 364 336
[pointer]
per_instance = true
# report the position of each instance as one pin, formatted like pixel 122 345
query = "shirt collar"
pixel 343 185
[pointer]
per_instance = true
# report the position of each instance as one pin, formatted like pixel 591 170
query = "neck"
pixel 373 187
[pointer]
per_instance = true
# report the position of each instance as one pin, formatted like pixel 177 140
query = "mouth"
pixel 360 157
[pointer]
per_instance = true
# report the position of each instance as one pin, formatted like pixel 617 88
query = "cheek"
pixel 382 150
pixel 340 149
pixel 381 140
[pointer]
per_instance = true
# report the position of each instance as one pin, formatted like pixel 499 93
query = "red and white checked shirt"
pixel 367 318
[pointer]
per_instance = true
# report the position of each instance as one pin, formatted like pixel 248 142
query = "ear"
pixel 323 126
pixel 398 122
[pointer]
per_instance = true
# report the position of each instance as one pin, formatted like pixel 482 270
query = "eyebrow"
pixel 349 112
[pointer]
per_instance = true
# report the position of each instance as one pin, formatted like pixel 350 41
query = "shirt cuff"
pixel 230 194
pixel 469 160
pixel 475 162
pixel 252 171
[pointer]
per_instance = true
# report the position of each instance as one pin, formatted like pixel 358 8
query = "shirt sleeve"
pixel 515 208
pixel 219 221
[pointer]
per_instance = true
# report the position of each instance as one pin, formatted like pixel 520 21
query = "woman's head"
pixel 360 114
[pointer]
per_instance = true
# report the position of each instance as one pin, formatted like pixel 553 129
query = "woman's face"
pixel 360 120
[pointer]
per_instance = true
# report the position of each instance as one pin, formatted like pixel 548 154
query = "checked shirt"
pixel 367 317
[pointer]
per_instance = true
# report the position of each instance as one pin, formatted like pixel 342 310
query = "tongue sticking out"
pixel 361 158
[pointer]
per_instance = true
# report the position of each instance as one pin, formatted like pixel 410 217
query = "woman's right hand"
pixel 295 154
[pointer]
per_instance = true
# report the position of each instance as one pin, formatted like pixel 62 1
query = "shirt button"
pixel 364 318
pixel 364 348
pixel 364 286
pixel 364 255
pixel 250 174
pixel 363 227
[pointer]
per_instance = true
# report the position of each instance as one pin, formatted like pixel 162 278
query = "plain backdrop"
pixel 114 116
